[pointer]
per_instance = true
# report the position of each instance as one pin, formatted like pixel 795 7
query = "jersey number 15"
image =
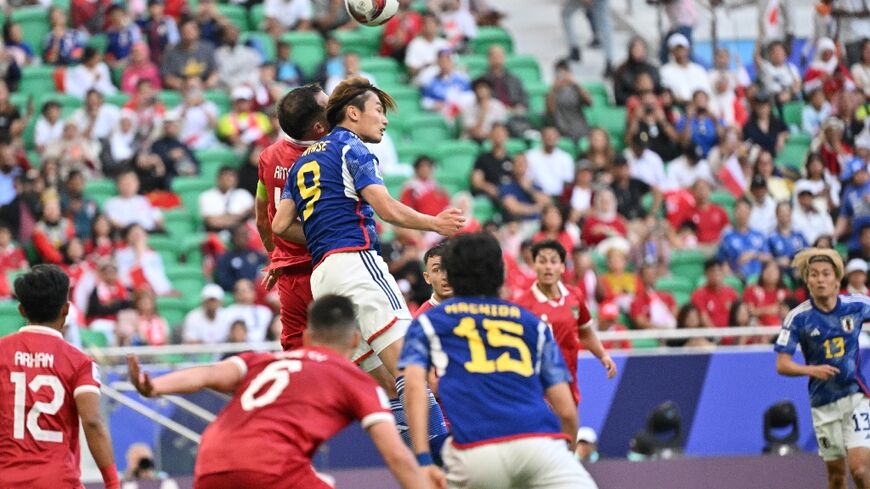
pixel 498 334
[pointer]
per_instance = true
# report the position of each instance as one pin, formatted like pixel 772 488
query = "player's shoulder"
pixel 855 300
pixel 796 315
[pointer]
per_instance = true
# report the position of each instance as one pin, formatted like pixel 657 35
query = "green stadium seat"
pixel 100 190
pixel 792 113
pixel 118 99
pixel 308 49
pixel 68 103
pixel 260 40
pixel 20 100
pixel 27 135
pixel 189 188
pixel 170 98
pixel 174 309
pixel 490 36
pixel 457 157
pixel 221 98
pixel 407 98
pixel 484 209
pixel 537 98
pixel 793 154
pixel 598 91
pixel 356 41
pixel 394 184
pixel 524 67
pixel 257 17
pixel 385 70
pixel 37 80
pixel 723 198
pixel 675 284
pixel 513 146
pixel 236 14
pixel 165 245
pixel 473 64
pixel 186 279
pixel 212 159
pixel 645 343
pixel 612 120
pixel 93 339
pixel 688 264
pixel 8 327
pixel 34 25
pixel 10 318
pixel 178 222
pixel 408 152
pixel 373 35
pixel 427 128
pixel 99 42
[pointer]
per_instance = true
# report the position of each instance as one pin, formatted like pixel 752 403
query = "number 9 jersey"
pixel 325 184
pixel 494 360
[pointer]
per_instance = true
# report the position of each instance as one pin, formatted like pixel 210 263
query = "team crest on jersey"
pixel 848 324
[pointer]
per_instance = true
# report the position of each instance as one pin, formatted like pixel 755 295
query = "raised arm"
pixel 224 376
pixel 447 223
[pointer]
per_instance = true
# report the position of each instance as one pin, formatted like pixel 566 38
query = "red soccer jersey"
pixel 274 165
pixel 426 306
pixel 40 375
pixel 716 303
pixel 643 301
pixel 270 428
pixel 758 296
pixel 565 317
pixel 710 221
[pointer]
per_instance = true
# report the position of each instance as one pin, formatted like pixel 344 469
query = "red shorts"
pixel 300 479
pixel 294 290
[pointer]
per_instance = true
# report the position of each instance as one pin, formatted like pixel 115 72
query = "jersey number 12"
pixel 38 408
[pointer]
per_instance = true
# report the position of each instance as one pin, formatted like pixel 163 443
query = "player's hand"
pixel 609 365
pixel 435 476
pixel 140 380
pixel 449 222
pixel 823 372
pixel 270 279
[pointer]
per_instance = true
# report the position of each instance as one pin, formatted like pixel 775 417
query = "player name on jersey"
pixel 34 360
pixel 498 310
pixel 318 146
pixel 281 172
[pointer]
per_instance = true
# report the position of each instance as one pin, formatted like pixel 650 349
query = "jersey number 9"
pixel 309 192
pixel 498 334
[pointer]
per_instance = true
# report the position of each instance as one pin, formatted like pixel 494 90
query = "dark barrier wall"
pixel 722 397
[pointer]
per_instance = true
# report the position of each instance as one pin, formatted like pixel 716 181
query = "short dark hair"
pixel 743 201
pixel 437 250
pixel 423 159
pixel 354 91
pixel 481 81
pixel 474 265
pixel 298 110
pixel 226 169
pixel 548 244
pixel 712 262
pixel 332 318
pixel 49 104
pixel 42 292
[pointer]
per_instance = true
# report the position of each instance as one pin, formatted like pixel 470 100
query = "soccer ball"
pixel 372 12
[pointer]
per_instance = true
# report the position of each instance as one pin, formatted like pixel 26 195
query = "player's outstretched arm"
pixel 785 365
pixel 400 461
pixel 593 344
pixel 224 376
pixel 560 399
pixel 97 436
pixel 447 223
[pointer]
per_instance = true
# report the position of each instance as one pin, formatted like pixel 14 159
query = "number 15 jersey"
pixel 325 184
pixel 494 360
pixel 40 376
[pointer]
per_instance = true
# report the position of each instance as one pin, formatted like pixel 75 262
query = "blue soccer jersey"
pixel 828 338
pixel 782 245
pixel 325 184
pixel 735 243
pixel 494 360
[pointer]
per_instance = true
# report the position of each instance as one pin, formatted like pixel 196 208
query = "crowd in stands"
pixel 130 134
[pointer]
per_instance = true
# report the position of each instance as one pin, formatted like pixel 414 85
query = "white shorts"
pixel 841 425
pixel 525 463
pixel 363 277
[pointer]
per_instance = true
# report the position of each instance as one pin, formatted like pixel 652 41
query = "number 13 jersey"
pixel 325 184
pixel 40 376
pixel 495 360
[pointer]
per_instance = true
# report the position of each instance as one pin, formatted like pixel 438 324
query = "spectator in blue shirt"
pixel 784 242
pixel 62 45
pixel 450 90
pixel 699 127
pixel 122 34
pixel 519 198
pixel 287 70
pixel 160 31
pixel 242 262
pixel 13 38
pixel 855 204
pixel 742 248
pixel 332 65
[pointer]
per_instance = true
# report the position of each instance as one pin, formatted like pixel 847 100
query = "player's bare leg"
pixel 386 380
pixel 390 357
pixel 858 459
pixel 836 473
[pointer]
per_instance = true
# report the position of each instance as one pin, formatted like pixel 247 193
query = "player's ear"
pixel 426 277
pixel 356 338
pixel 64 310
pixel 22 311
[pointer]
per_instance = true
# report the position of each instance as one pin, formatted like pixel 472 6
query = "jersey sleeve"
pixel 552 367
pixel 367 401
pixel 87 378
pixel 363 166
pixel 415 349
pixel 788 337
pixel 584 317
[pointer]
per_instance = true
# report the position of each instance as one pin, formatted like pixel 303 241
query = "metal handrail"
pixel 151 414
pixel 180 402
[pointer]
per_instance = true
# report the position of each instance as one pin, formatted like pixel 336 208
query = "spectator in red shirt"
pixel 709 218
pixel 714 298
pixel 608 320
pixel 422 193
pixel 604 221
pixel 564 309
pixel 400 30
pixel 765 298
pixel 11 258
pixel 651 308
pixel 52 232
pixel 149 328
pixel 584 276
pixel 553 227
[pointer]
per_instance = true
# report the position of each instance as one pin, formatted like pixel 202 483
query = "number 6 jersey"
pixel 494 360
pixel 325 184
pixel 40 376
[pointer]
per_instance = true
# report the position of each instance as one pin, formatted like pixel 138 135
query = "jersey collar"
pixel 434 302
pixel 297 142
pixel 542 297
pixel 41 330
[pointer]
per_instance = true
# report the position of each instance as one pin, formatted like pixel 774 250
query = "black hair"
pixel 298 110
pixel 481 81
pixel 742 201
pixel 332 318
pixel 561 65
pixel 226 169
pixel 42 292
pixel 423 159
pixel 89 52
pixel 354 92
pixel 474 264
pixel 712 262
pixel 7 31
pixel 732 313
pixel 548 244
pixel 683 313
pixel 125 233
pixel 437 250
pixel 49 104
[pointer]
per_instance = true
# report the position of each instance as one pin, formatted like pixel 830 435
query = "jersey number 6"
pixel 498 334
pixel 278 373
pixel 309 192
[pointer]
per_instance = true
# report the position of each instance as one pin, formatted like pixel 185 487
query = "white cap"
pixel 242 92
pixel 587 434
pixel 803 186
pixel 212 291
pixel 856 265
pixel 678 40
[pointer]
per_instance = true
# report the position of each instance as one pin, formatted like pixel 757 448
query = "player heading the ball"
pixel 502 381
pixel 827 327
pixel 46 386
